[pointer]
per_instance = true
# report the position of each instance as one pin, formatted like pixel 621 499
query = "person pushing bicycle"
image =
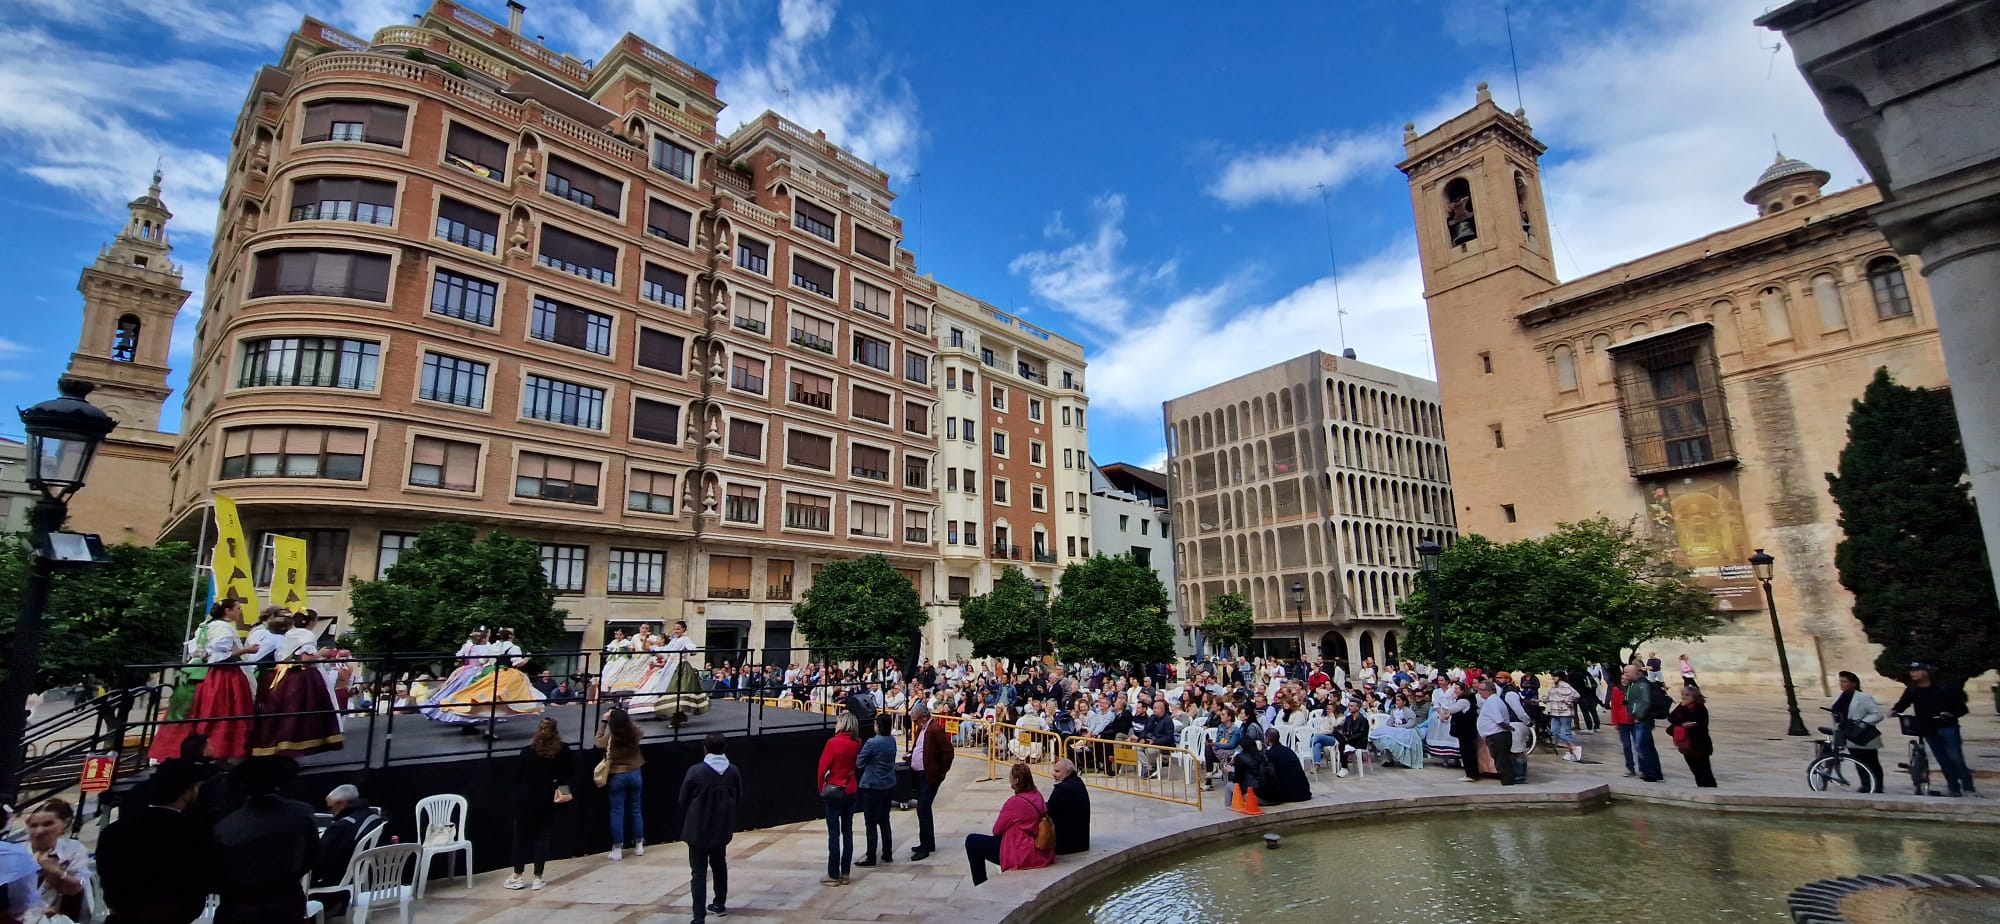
pixel 1935 710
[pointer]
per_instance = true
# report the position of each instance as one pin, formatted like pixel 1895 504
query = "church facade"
pixel 1703 390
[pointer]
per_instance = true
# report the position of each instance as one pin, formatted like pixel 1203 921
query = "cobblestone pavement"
pixel 775 872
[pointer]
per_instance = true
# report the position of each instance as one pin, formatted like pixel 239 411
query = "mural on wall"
pixel 1701 513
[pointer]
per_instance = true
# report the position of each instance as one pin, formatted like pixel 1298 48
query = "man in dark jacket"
pixel 353 818
pixel 1284 778
pixel 155 860
pixel 930 759
pixel 1069 808
pixel 709 794
pixel 1156 728
pixel 264 848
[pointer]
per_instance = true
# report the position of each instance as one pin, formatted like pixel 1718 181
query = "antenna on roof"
pixel 1777 148
pixel 1509 17
pixel 1773 48
pixel 1339 312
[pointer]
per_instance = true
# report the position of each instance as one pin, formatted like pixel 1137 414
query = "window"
pixel 972 532
pixel 917 317
pixel 553 478
pixel 557 401
pixel 450 380
pixel 661 350
pixel 1499 436
pixel 1671 403
pixel 811 388
pixel 870 405
pixel 812 219
pixel 664 286
pixel 965 382
pixel 999 398
pixel 742 503
pixel 1458 219
pixel 746 373
pixel 368 202
pixel 1034 409
pixel 1144 527
pixel 1065 415
pixel 951 378
pixel 448 465
pixel 971 482
pixel 812 277
pixel 752 314
pixel 871 245
pixel 1826 294
pixel 309 362
pixel 125 340
pixel 1892 294
pixel 1038 499
pixel 1069 458
pixel 1035 453
pixel 1565 360
pixel 778 579
pixel 583 186
pixel 1000 443
pixel 1079 418
pixel 630 571
pixel 578 256
pixel 564 566
pixel 324 273
pixel 1000 490
pixel 965 427
pixel 986 356
pixel 650 492
pixel 334 453
pixel 916 418
pixel 571 326
pixel 808 511
pixel 455 295
pixel 1069 501
pixel 388 550
pixel 728 577
pixel 746 438
pixel 812 333
pixel 354 120
pixel 951 428
pixel 951 538
pixel 672 159
pixel 461 224
pixel 1085 544
pixel 754 256
pixel 656 421
pixel 473 151
pixel 1486 363
pixel 868 521
pixel 326 556
pixel 916 473
pixel 868 462
pixel 951 479
pixel 871 298
pixel 666 221
pixel 1683 420
pixel 916 526
pixel 916 368
pixel 809 450
pixel 1507 512
pixel 1070 547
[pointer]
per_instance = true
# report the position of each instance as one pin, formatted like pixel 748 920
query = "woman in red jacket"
pixel 838 785
pixel 1012 843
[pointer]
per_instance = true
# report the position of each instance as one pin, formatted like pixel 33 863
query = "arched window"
pixel 1777 321
pixel 1521 200
pixel 1892 295
pixel 1565 368
pixel 125 341
pixel 1607 364
pixel 1826 295
pixel 1458 211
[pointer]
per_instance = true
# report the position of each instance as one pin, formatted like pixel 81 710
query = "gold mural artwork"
pixel 1703 516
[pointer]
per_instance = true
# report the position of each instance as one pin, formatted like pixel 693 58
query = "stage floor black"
pixel 377 740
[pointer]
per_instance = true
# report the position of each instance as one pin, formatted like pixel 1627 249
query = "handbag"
pixel 1859 732
pixel 1045 833
pixel 601 774
pixel 1680 738
pixel 830 791
pixel 440 834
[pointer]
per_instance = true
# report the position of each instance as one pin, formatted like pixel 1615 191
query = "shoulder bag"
pixel 1045 833
pixel 601 774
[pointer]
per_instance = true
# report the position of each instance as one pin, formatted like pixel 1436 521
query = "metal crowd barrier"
pixel 1149 771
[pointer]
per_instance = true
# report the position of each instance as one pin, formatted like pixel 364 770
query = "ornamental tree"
pixel 131 610
pixel 1006 623
pixel 450 582
pixel 1912 552
pixel 860 610
pixel 1111 609
pixel 1229 623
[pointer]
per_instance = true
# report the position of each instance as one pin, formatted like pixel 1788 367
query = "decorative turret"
pixel 131 296
pixel 1787 183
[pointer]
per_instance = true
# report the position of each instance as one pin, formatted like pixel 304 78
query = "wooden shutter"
pixel 319 121
pixel 869 244
pixel 872 459
pixel 383 123
pixel 746 438
pixel 673 282
pixel 661 350
pixel 474 218
pixel 673 223
pixel 873 405
pixel 656 421
pixel 809 449
pixel 370 277
pixel 813 273
pixel 375 192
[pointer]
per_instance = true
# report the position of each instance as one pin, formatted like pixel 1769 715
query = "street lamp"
pixel 63 435
pixel 1428 553
pixel 1299 607
pixel 1761 564
pixel 1041 619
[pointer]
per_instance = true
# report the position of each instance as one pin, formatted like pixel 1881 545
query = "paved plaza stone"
pixel 774 873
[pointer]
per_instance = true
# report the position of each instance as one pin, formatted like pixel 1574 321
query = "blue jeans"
pixel 1563 727
pixel 1320 742
pixel 625 790
pixel 1628 741
pixel 1649 759
pixel 1950 753
pixel 839 836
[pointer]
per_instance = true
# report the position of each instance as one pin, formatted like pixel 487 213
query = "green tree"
pixel 450 582
pixel 1912 553
pixel 131 610
pixel 1595 590
pixel 860 603
pixel 1228 623
pixel 1110 609
pixel 1006 623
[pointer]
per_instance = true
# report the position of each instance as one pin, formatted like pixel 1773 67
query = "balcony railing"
pixel 812 341
pixel 818 399
pixel 1005 551
pixel 729 593
pixel 750 324
pixel 752 261
pixel 872 474
pixel 916 534
pixel 817 519
pixel 744 381
pixel 809 285
pixel 1045 557
pixel 916 478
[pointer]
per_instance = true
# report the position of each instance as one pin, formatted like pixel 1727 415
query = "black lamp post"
pixel 1761 564
pixel 1041 619
pixel 1299 608
pixel 1428 553
pixel 63 434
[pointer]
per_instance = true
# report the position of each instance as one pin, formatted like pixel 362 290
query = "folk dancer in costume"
pixel 674 688
pixel 496 691
pixel 295 714
pixel 223 702
pixel 622 668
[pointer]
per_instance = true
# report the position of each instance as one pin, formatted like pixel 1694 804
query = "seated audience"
pixel 1284 777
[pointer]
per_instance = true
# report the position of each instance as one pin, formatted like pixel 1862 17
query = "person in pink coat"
pixel 1012 843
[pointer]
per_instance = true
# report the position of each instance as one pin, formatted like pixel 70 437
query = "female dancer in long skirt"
pixel 223 702
pixel 496 691
pixel 295 713
pixel 675 689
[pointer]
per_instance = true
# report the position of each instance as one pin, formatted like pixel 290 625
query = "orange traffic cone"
pixel 1236 798
pixel 1250 802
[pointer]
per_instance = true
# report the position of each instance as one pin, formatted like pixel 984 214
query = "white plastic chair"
pixel 380 880
pixel 365 843
pixel 441 809
pixel 1193 745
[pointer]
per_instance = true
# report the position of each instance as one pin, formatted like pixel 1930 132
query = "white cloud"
pixel 10 348
pixel 246 25
pixel 1088 279
pixel 1291 173
pixel 588 29
pixel 829 87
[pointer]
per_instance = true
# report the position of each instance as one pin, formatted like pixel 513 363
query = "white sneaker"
pixel 639 850
pixel 514 882
pixel 1570 757
pixel 537 885
pixel 1341 773
pixel 617 853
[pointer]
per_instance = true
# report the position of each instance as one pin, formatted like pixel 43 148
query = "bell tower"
pixel 131 296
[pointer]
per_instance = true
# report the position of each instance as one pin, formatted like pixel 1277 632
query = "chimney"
pixel 514 11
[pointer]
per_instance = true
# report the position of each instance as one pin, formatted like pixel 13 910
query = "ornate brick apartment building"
pixel 1704 388
pixel 459 276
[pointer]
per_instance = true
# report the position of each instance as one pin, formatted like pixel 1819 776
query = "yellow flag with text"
pixel 288 573
pixel 230 564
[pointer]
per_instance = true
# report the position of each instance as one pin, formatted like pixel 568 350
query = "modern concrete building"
pixel 461 276
pixel 1129 513
pixel 1014 452
pixel 1306 487
pixel 1703 389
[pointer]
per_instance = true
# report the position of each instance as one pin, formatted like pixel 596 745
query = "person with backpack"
pixel 1647 703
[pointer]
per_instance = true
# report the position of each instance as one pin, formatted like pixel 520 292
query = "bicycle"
pixel 1919 764
pixel 1832 767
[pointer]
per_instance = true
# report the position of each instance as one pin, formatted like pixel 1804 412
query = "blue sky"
pixel 1137 176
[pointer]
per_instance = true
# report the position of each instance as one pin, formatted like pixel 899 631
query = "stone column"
pixel 1914 88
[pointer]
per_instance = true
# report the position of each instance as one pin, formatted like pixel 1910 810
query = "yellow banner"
pixel 288 573
pixel 230 562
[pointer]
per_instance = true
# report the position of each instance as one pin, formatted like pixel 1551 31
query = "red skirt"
pixel 295 715
pixel 221 710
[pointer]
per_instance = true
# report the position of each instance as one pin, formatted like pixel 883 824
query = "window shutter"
pixel 384 124
pixel 474 218
pixel 375 192
pixel 869 244
pixel 656 421
pixel 661 350
pixel 675 224
pixel 873 405
pixel 673 282
pixel 371 277
pixel 319 121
